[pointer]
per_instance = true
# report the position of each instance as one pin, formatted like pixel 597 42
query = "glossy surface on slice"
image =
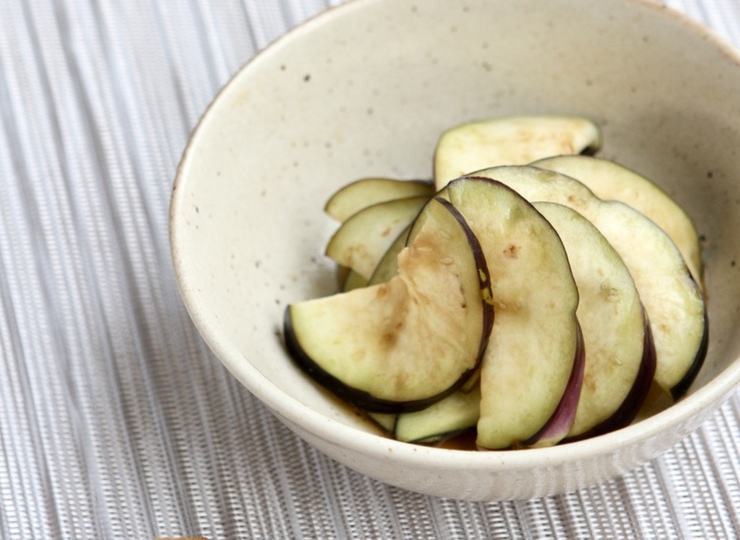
pixel 534 341
pixel 406 343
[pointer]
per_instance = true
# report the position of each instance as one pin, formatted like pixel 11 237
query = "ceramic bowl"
pixel 365 89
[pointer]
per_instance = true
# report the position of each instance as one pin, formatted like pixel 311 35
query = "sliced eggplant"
pixel 407 343
pixel 456 413
pixel 353 280
pixel 361 241
pixel 561 421
pixel 673 301
pixel 365 192
pixel 613 323
pixel 612 181
pixel 534 342
pixel 514 140
pixel 640 392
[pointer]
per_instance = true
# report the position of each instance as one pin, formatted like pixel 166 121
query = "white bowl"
pixel 365 89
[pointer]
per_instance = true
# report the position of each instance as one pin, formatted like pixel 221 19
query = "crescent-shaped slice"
pixel 514 140
pixel 411 341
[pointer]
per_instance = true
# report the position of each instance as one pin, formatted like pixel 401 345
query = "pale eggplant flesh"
pixel 534 344
pixel 360 242
pixel 620 355
pixel 447 418
pixel 671 297
pixel 632 405
pixel 357 195
pixel 409 342
pixel 560 423
pixel 612 181
pixel 515 140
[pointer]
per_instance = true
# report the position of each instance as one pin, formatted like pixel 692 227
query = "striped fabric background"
pixel 115 420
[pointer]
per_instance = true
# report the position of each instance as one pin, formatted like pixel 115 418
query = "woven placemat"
pixel 115 419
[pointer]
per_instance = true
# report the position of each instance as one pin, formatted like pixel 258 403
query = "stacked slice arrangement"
pixel 529 294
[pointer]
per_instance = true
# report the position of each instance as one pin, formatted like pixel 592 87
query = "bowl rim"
pixel 706 399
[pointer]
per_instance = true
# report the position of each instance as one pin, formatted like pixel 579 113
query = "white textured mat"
pixel 115 419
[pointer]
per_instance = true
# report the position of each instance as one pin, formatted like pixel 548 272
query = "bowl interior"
pixel 365 90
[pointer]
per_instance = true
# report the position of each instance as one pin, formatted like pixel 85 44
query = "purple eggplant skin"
pixel 366 401
pixel 559 424
pixel 636 397
pixel 484 277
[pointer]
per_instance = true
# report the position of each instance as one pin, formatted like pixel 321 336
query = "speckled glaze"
pixel 365 89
